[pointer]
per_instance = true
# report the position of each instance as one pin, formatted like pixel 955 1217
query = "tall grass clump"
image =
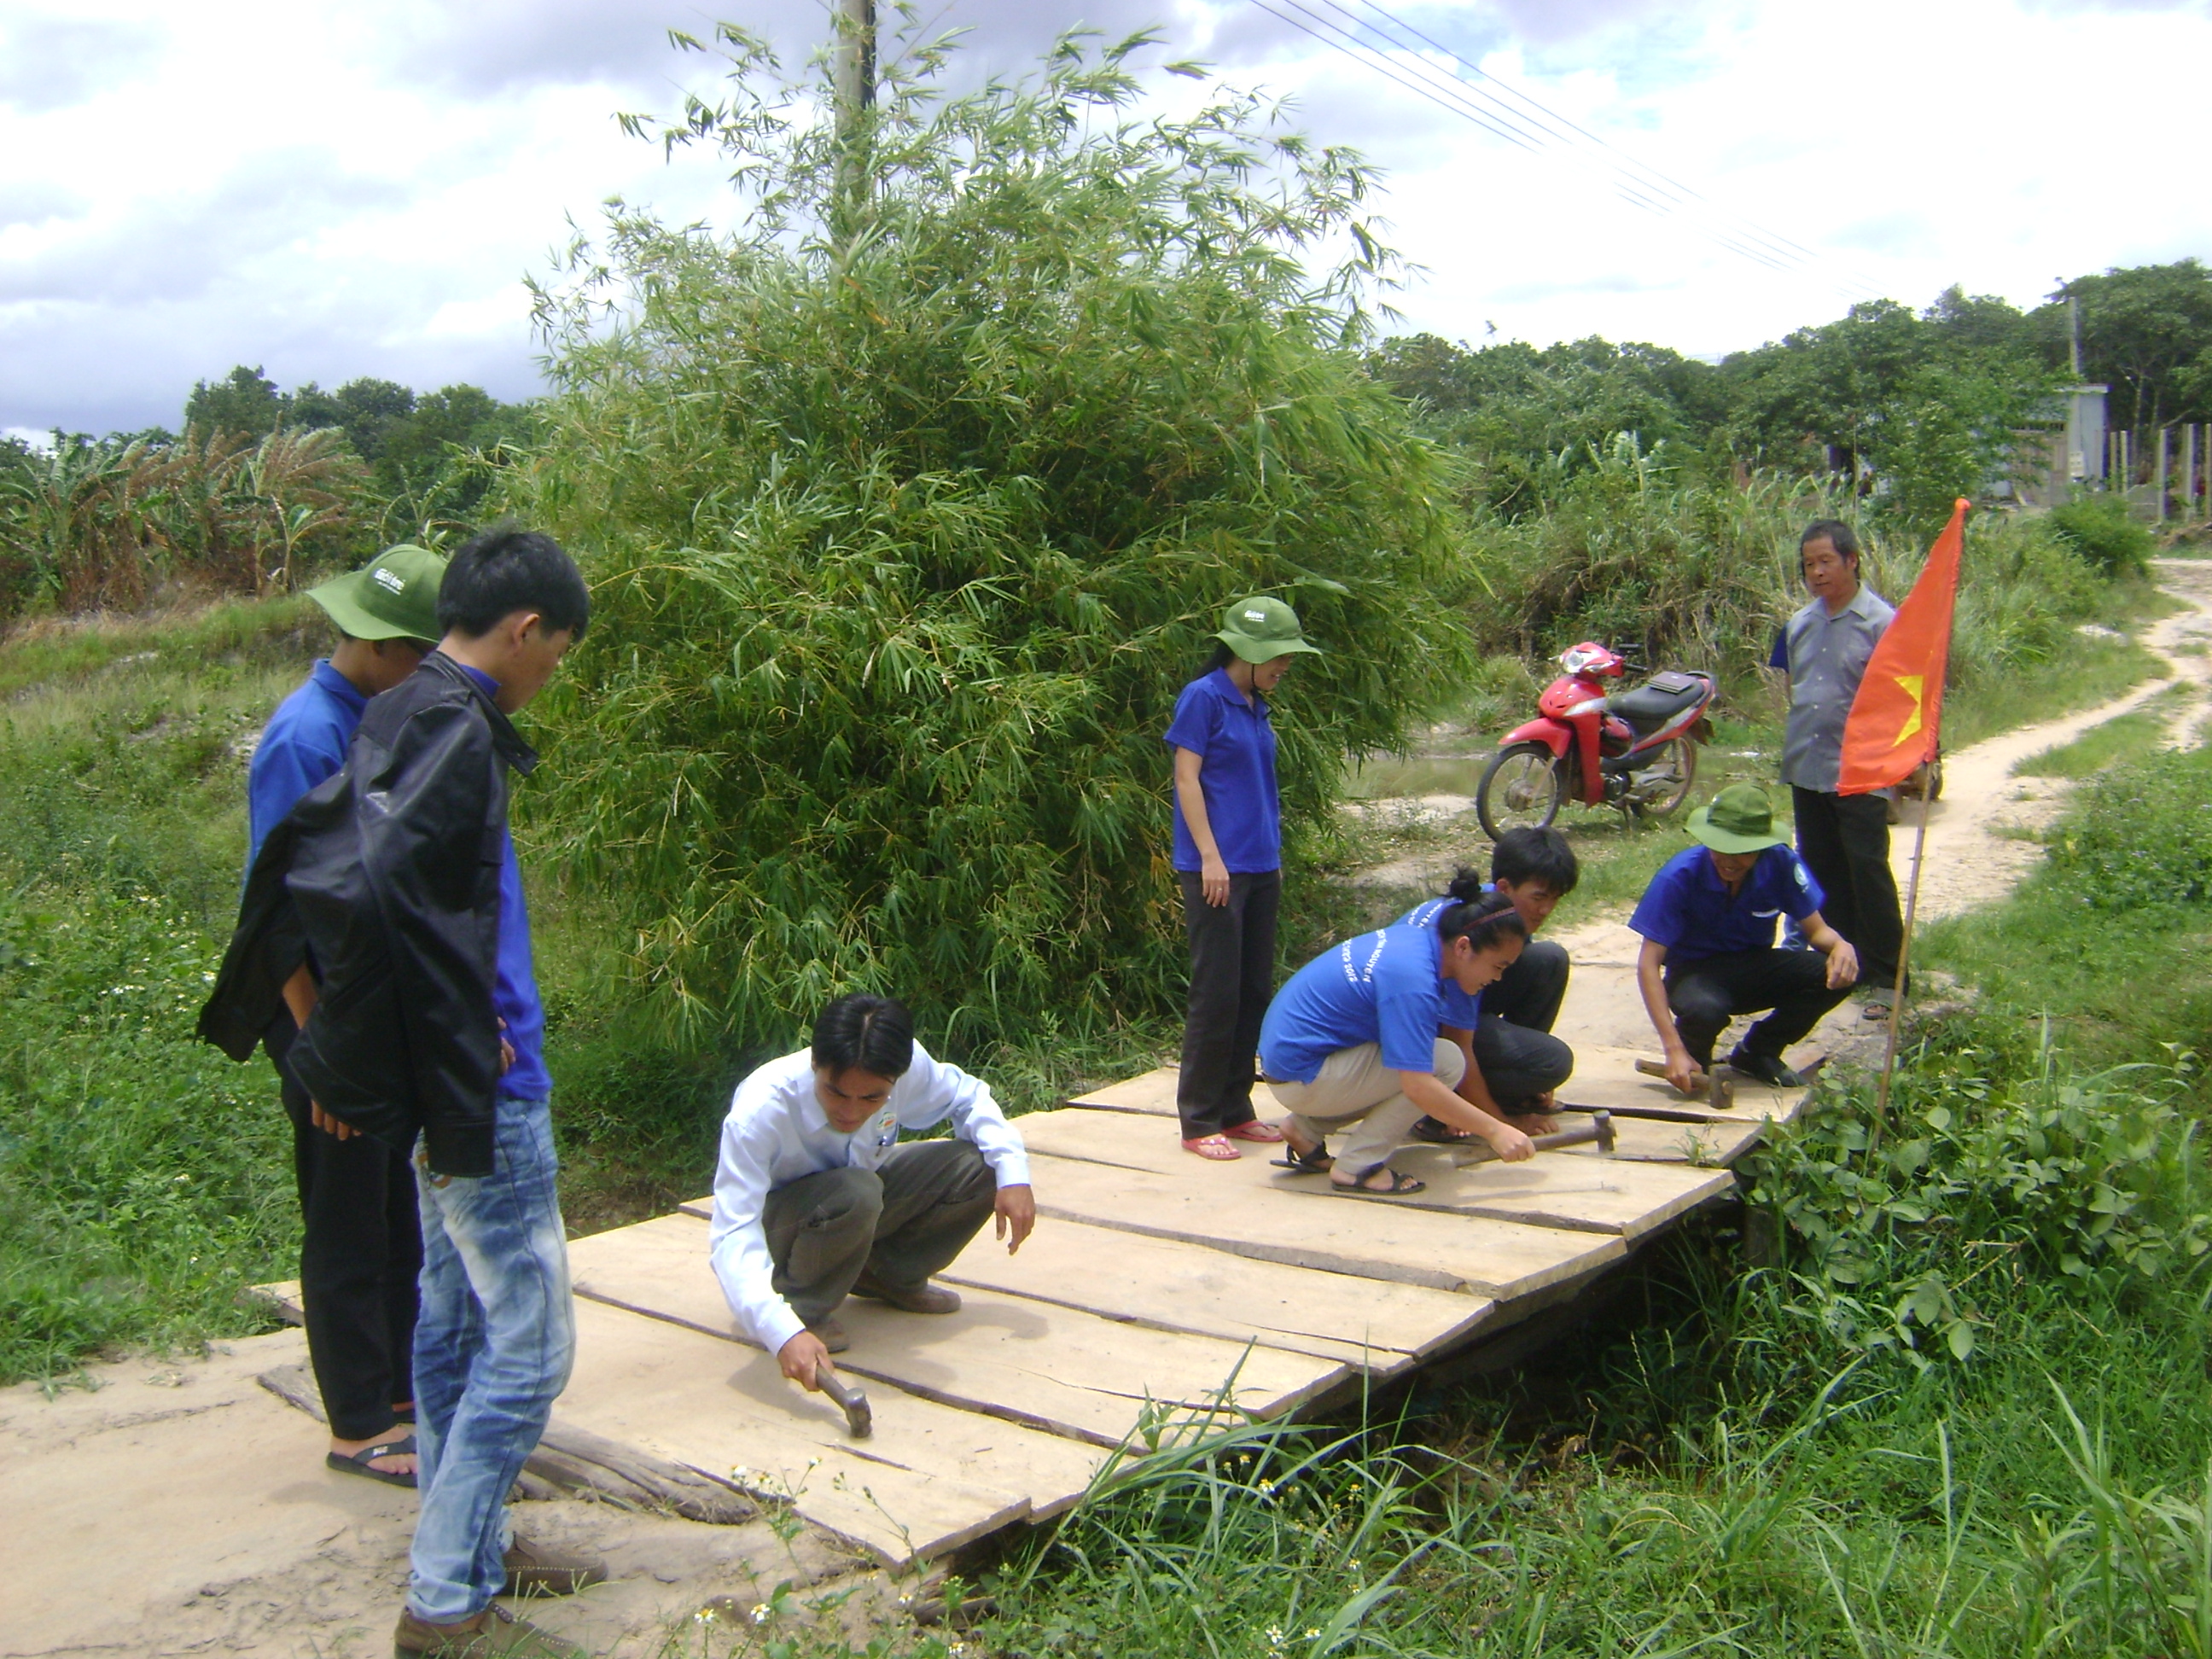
pixel 108 524
pixel 908 508
pixel 1633 548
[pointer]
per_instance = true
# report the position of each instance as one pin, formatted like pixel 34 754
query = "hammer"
pixel 1600 1129
pixel 858 1417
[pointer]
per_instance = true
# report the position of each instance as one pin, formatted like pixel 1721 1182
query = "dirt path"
pixel 1979 844
pixel 184 1508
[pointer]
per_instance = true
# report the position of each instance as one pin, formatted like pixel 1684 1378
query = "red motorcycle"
pixel 1637 750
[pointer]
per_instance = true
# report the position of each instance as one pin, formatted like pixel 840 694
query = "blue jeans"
pixel 493 1346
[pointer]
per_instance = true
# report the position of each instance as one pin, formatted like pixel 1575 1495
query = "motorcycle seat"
pixel 1658 699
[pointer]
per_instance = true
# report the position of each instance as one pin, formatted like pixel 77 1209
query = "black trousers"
pixel 1844 841
pixel 1514 1047
pixel 1706 995
pixel 359 1258
pixel 1232 976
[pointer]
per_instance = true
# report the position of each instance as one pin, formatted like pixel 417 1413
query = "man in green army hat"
pixel 362 1244
pixel 1708 922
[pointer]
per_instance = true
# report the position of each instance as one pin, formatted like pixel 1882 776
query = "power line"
pixel 1851 281
pixel 1529 125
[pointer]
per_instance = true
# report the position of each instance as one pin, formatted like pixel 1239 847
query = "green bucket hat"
pixel 1740 820
pixel 394 598
pixel 1260 629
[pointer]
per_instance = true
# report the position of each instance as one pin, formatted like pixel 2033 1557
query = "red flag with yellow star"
pixel 1900 705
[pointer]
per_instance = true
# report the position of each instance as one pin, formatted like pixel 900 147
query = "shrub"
pixel 2141 837
pixel 2100 528
pixel 903 544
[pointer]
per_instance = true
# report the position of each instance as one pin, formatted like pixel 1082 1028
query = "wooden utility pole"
pixel 856 62
pixel 855 86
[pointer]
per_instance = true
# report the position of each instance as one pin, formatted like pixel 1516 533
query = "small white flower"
pixel 759 1615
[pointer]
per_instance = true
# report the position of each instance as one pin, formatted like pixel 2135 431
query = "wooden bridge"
pixel 1155 1283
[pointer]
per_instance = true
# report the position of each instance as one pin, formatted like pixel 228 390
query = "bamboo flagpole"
pixel 1904 969
pixel 1895 726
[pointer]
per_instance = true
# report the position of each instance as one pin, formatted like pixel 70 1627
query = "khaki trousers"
pixel 1356 1095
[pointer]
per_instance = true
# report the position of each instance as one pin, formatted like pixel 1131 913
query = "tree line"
pixel 1916 407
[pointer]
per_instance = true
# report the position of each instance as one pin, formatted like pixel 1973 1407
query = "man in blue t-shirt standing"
pixel 361 1242
pixel 1708 922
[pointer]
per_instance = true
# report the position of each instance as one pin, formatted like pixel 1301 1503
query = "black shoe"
pixel 1767 1068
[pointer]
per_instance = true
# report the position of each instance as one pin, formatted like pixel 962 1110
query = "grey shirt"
pixel 1826 656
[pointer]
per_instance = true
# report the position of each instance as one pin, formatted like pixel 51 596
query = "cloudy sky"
pixel 333 190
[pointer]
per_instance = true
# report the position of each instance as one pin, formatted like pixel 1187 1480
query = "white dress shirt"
pixel 776 1132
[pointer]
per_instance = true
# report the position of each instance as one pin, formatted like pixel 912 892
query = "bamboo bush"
pixel 908 516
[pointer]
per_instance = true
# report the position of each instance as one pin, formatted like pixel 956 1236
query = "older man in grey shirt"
pixel 1844 839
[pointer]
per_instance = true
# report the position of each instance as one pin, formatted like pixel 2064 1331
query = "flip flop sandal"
pixel 1252 1129
pixel 1316 1162
pixel 1877 1011
pixel 363 1461
pixel 1401 1185
pixel 1439 1133
pixel 1215 1148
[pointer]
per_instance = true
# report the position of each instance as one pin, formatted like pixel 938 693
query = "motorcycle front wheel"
pixel 1665 784
pixel 1522 789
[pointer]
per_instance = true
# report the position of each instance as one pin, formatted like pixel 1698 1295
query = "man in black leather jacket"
pixel 395 883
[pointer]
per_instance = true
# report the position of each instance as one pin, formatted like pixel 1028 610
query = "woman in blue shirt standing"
pixel 1229 859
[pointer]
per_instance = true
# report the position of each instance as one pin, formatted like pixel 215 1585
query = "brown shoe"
pixel 492 1634
pixel 832 1335
pixel 539 1572
pixel 923 1298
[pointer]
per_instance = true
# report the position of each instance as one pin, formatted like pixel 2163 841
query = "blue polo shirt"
pixel 304 744
pixel 1688 908
pixel 1385 987
pixel 1235 744
pixel 1460 1010
pixel 514 997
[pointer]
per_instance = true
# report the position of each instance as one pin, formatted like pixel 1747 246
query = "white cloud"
pixel 329 190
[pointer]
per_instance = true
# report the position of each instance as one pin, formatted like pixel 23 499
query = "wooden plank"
pixel 1045 1365
pixel 1153 1094
pixel 929 1480
pixel 1379 1329
pixel 1626 1196
pixel 1607 1076
pixel 1356 1236
pixel 1595 1195
pixel 1655 1140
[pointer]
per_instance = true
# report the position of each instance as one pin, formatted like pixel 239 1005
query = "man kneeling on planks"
pixel 815 1198
pixel 1708 923
pixel 1353 1045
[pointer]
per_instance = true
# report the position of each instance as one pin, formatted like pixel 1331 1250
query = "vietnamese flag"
pixel 1900 705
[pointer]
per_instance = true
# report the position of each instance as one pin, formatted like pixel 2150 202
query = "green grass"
pixel 2122 738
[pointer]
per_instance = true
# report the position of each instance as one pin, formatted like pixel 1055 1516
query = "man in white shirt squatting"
pixel 816 1199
